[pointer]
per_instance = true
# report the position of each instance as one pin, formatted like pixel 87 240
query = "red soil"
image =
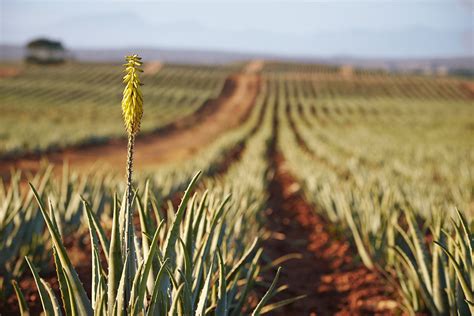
pixel 177 141
pixel 6 72
pixel 468 86
pixel 327 272
pixel 79 251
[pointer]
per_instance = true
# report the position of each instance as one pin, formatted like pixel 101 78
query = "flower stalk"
pixel 132 110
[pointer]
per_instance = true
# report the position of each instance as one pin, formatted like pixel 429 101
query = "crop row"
pixel 215 262
pixel 392 180
pixel 40 105
pixel 331 82
pixel 390 168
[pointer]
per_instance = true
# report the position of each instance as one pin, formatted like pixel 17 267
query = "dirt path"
pixel 255 66
pixel 152 68
pixel 326 271
pixel 12 71
pixel 176 142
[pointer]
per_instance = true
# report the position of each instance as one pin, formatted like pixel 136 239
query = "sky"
pixel 368 28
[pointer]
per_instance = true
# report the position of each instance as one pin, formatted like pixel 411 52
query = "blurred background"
pixel 426 35
pixel 337 127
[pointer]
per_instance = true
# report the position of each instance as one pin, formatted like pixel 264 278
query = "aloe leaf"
pixel 24 311
pixel 54 301
pixel 440 296
pixel 267 295
pixel 100 307
pixel 99 231
pixel 460 275
pixel 115 260
pixel 63 286
pixel 158 297
pixel 201 306
pixel 147 227
pixel 222 308
pixel 133 300
pixel 174 232
pixel 411 266
pixel 176 299
pixel 46 300
pixel 200 213
pixel 362 249
pixel 468 237
pixel 96 267
pixel 188 278
pixel 242 260
pixel 120 303
pixel 83 303
pixel 204 252
pixel 146 270
pixel 271 307
pixel 250 278
pixel 278 261
pixel 72 302
pixel 420 251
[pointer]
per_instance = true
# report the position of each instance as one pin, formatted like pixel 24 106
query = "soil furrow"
pixel 79 246
pixel 327 271
pixel 178 141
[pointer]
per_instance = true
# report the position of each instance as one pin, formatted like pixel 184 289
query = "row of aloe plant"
pixel 390 220
pixel 177 267
pixel 22 229
pixel 192 261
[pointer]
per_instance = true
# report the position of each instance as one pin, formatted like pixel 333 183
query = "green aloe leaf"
pixel 46 300
pixel 222 307
pixel 142 286
pixel 460 275
pixel 24 311
pixel 267 295
pixel 83 304
pixel 201 306
pixel 115 260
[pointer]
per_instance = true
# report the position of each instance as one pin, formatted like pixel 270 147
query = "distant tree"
pixel 462 72
pixel 45 51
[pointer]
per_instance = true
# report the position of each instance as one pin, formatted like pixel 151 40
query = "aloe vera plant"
pixel 40 93
pixel 384 184
pixel 192 261
pixel 381 156
pixel 181 264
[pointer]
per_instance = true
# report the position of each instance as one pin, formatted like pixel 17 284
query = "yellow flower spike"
pixel 132 101
pixel 132 110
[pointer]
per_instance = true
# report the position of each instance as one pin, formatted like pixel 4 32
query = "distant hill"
pixel 461 65
pixel 12 52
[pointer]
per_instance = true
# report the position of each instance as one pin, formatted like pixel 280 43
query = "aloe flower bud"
pixel 132 101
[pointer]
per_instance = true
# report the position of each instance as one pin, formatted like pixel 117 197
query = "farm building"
pixel 44 51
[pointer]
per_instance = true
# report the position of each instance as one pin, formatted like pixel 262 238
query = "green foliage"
pixel 41 105
pixel 387 158
pixel 182 257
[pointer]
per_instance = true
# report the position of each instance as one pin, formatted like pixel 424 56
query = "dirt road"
pixel 176 142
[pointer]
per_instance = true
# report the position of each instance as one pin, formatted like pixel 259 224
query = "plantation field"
pixel 40 105
pixel 321 190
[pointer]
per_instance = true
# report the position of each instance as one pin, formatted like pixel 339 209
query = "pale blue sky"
pixel 400 28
